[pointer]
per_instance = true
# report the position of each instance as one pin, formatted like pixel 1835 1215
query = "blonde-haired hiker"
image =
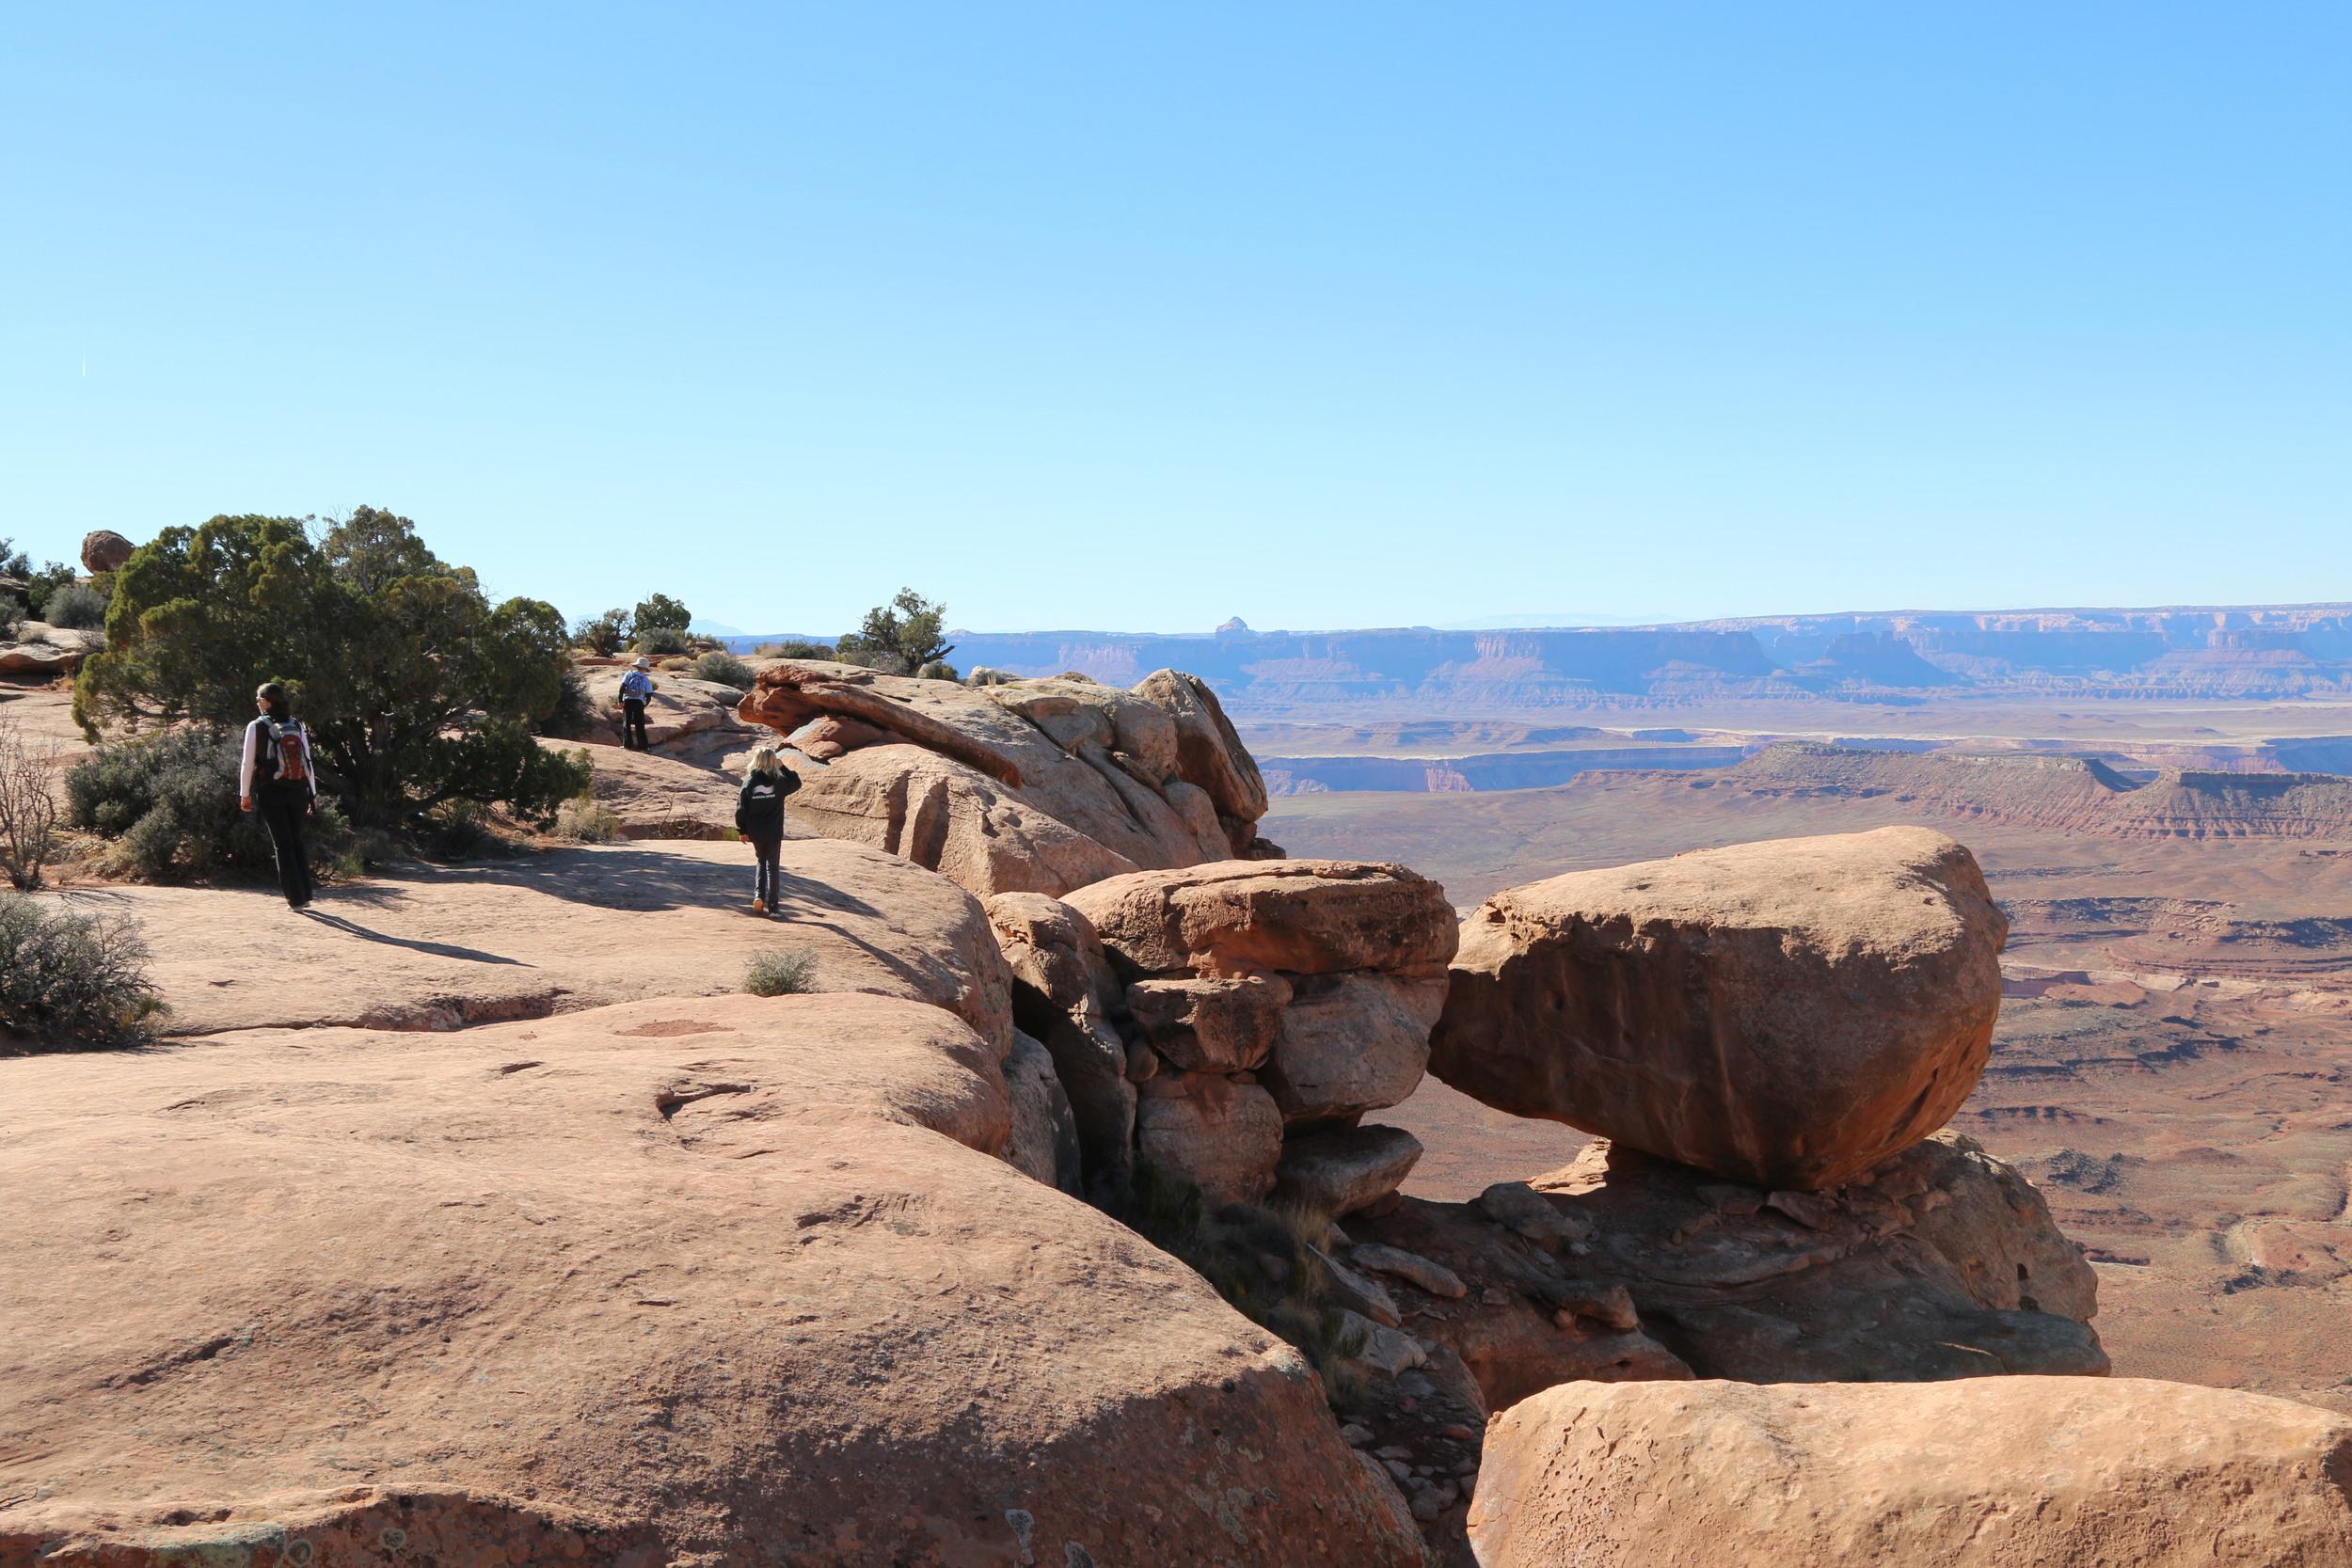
pixel 759 817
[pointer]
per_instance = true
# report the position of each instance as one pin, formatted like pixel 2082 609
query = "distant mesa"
pixel 2258 653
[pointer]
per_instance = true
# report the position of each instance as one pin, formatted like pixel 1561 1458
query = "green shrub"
pixel 659 609
pixel 774 974
pixel 417 690
pixel 40 590
pixel 574 716
pixel 72 981
pixel 938 669
pixel 606 634
pixel 794 649
pixel 724 670
pixel 168 806
pixel 663 640
pixel 77 606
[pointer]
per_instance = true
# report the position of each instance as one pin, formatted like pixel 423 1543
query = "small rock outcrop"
pixel 656 796
pixel 1941 1263
pixel 1995 1473
pixel 1256 1000
pixel 1065 997
pixel 1788 1013
pixel 685 719
pixel 41 649
pixel 104 549
pixel 703 1279
pixel 1016 786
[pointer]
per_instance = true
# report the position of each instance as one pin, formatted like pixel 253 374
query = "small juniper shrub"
pixel 771 972
pixel 574 716
pixel 723 668
pixel 72 981
pixel 665 640
pixel 1259 1259
pixel 166 807
pixel 464 831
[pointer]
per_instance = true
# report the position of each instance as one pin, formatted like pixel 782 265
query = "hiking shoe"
pixel 759 906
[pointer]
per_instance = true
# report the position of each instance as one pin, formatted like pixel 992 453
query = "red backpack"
pixel 291 766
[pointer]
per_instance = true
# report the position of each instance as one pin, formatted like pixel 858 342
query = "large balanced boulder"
pixel 1998 1473
pixel 104 549
pixel 714 1279
pixel 1940 1263
pixel 1788 1013
pixel 1027 785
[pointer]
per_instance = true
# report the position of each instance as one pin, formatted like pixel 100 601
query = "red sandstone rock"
pixel 1942 1263
pixel 1094 780
pixel 1222 1136
pixel 950 818
pixel 1211 1025
pixel 1239 917
pixel 1347 1169
pixel 1998 1472
pixel 1352 1043
pixel 1790 1013
pixel 104 549
pixel 689 1279
pixel 1064 995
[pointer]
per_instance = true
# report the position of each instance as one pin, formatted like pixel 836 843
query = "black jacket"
pixel 759 808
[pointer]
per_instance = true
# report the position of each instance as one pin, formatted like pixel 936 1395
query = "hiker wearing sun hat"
pixel 635 687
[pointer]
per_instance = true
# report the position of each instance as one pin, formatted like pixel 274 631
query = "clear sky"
pixel 1140 316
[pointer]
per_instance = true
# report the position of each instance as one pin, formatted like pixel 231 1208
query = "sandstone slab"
pixel 46 650
pixel 689 1280
pixel 427 947
pixel 1788 1013
pixel 657 796
pixel 1239 917
pixel 2004 1473
pixel 948 816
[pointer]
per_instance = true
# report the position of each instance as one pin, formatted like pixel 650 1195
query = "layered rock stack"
pixel 1232 1022
pixel 1020 787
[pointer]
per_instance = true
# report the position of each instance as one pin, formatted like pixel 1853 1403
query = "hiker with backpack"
pixel 636 691
pixel 276 775
pixel 759 817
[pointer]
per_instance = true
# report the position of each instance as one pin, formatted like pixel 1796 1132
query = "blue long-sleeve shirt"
pixel 637 684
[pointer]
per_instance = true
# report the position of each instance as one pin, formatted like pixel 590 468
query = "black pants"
pixel 633 725
pixel 767 879
pixel 282 807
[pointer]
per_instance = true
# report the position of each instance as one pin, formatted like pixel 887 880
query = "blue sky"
pixel 1141 316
